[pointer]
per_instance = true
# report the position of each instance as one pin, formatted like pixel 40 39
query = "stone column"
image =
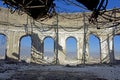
pixel 61 48
pixel 87 52
pixel 80 49
pixel 104 49
pixel 85 49
pixel 111 49
pixel 12 46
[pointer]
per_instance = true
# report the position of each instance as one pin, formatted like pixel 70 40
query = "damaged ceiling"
pixel 45 8
pixel 34 8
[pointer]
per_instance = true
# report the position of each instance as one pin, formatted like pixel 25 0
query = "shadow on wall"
pixel 16 59
pixel 36 42
pixel 36 50
pixel 15 54
pixel 60 48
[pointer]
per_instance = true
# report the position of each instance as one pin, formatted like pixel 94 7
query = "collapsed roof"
pixel 34 8
pixel 90 4
pixel 44 8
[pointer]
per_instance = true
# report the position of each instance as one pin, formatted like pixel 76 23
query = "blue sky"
pixel 66 7
pixel 113 4
pixel 63 5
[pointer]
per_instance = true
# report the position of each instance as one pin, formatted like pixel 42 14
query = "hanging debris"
pixel 34 8
pixel 97 6
pixel 45 8
pixel 90 4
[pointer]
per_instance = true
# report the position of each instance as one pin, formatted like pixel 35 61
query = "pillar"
pixel 104 49
pixel 61 49
pixel 80 49
pixel 111 49
pixel 12 46
pixel 87 52
pixel 85 49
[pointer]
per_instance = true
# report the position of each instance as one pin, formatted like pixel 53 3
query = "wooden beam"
pixel 41 1
pixel 23 1
pixel 35 6
pixel 29 2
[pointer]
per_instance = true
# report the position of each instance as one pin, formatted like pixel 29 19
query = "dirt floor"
pixel 24 71
pixel 53 75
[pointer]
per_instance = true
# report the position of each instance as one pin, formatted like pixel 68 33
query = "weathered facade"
pixel 60 27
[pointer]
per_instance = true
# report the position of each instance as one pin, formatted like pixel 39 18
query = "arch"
pixel 48 49
pixel 116 41
pixel 94 49
pixel 3 48
pixel 25 48
pixel 71 48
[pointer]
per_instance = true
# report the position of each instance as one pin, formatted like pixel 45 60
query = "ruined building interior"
pixel 59 27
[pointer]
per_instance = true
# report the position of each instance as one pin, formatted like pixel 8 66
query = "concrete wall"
pixel 15 26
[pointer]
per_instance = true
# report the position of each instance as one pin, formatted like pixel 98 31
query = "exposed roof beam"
pixel 35 6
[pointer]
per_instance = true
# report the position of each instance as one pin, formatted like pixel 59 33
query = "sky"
pixel 71 43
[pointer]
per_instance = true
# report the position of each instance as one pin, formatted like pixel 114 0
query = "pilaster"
pixel 104 49
pixel 12 46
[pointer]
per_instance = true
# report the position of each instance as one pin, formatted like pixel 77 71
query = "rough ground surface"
pixel 24 71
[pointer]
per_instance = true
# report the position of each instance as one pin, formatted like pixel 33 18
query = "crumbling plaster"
pixel 15 26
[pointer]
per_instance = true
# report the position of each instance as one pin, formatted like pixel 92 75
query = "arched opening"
pixel 71 49
pixel 2 46
pixel 94 49
pixel 117 47
pixel 25 48
pixel 49 49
